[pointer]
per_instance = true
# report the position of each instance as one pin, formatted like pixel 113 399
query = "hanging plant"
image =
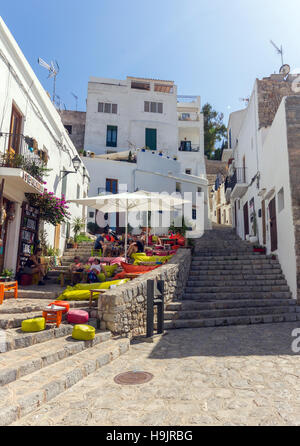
pixel 52 209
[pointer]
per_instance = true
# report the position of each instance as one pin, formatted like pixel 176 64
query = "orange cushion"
pixel 137 268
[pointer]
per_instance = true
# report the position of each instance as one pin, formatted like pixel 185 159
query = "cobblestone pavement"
pixel 213 376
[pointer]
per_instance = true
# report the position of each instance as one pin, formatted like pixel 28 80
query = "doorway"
pixel 273 225
pixel 151 139
pixel 246 219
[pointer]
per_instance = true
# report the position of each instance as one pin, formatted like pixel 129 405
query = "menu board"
pixel 28 233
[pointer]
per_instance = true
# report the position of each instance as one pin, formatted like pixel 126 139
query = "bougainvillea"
pixel 52 209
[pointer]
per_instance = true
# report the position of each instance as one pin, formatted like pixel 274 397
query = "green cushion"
pixel 36 324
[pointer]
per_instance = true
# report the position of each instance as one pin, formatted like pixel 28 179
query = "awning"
pixel 20 180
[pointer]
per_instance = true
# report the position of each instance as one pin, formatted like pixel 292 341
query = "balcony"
pixel 21 161
pixel 236 185
pixel 187 147
pixel 188 117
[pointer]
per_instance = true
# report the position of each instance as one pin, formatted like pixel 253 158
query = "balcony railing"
pixel 23 155
pixel 189 148
pixel 188 118
pixel 239 177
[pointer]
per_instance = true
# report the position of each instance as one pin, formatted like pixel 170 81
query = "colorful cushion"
pixel 128 268
pixel 117 261
pixel 77 317
pixel 83 332
pixel 36 324
pixel 81 290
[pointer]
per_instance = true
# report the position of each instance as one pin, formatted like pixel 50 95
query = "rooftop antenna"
pixel 53 72
pixel 279 51
pixel 76 99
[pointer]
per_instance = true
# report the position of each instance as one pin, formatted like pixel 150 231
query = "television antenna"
pixel 279 50
pixel 76 99
pixel 53 72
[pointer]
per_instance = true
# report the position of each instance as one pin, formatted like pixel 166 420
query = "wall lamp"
pixel 76 164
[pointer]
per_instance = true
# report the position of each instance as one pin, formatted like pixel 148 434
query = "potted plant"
pixel 6 275
pixel 259 248
pixel 77 226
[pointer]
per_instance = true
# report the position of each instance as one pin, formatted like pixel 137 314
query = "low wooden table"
pixel 92 294
pixel 53 314
pixel 8 286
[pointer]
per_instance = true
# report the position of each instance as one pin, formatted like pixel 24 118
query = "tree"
pixel 214 129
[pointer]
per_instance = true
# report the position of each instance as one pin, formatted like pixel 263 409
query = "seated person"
pixel 33 266
pixel 76 267
pixel 99 243
pixel 135 247
pixel 95 269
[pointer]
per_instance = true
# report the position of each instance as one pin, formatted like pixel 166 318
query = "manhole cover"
pixel 133 378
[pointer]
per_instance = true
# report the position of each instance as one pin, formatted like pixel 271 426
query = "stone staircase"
pixel 83 251
pixel 229 284
pixel 36 367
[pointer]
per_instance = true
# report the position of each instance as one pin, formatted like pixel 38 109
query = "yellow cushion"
pixel 81 290
pixel 83 332
pixel 146 259
pixel 36 324
pixel 110 268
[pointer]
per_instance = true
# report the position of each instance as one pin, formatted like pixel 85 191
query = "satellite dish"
pixel 285 69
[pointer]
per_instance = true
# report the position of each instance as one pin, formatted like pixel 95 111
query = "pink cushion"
pixel 117 260
pixel 77 317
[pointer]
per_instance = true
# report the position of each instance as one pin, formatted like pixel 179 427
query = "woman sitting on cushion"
pixel 33 266
pixel 95 269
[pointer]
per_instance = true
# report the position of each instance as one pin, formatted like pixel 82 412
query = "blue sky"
pixel 213 48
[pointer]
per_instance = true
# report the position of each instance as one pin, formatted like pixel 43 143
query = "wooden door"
pixel 246 219
pixel 15 130
pixel 151 139
pixel 273 225
pixel 57 237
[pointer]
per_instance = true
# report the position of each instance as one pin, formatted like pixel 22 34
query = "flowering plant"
pixel 52 209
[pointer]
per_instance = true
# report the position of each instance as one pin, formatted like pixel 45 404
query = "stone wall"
pixel 123 310
pixel 293 137
pixel 270 92
pixel 76 119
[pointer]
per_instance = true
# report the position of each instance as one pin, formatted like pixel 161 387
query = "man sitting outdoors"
pixel 135 247
pixel 76 267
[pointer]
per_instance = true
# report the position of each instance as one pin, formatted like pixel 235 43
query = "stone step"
pixel 231 312
pixel 18 363
pixel 21 397
pixel 14 338
pixel 13 306
pixel 236 289
pixel 235 261
pixel 242 295
pixel 244 270
pixel 235 267
pixel 39 294
pixel 242 275
pixel 195 282
pixel 187 305
pixel 234 320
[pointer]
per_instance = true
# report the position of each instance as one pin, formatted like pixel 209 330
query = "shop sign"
pixel 33 182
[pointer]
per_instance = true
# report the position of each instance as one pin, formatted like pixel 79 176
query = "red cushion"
pixel 77 317
pixel 137 268
pixel 26 279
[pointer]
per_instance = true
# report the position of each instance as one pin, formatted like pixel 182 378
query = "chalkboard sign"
pixel 28 233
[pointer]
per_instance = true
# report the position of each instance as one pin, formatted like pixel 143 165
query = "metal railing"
pixel 188 118
pixel 239 177
pixel 189 148
pixel 23 155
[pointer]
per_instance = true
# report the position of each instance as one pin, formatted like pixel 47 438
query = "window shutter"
pixel 114 108
pixel 146 106
pixel 160 107
pixel 100 107
pixel 153 107
pixel 107 108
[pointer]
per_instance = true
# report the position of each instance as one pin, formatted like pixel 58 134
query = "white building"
pixel 263 179
pixel 28 114
pixel 152 172
pixel 162 131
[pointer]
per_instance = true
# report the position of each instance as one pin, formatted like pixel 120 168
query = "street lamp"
pixel 76 164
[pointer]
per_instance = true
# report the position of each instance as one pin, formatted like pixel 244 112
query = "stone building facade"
pixel 74 122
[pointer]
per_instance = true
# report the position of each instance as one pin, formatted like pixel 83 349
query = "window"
pixel 188 171
pixel 111 185
pixel 69 129
pixel 111 136
pixel 178 187
pixel 15 130
pixel 153 107
pixel 280 198
pixel 78 191
pixel 140 85
pixel 186 146
pixel 185 116
pixel 107 108
pixel 194 214
pixel 91 214
pixel 199 190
